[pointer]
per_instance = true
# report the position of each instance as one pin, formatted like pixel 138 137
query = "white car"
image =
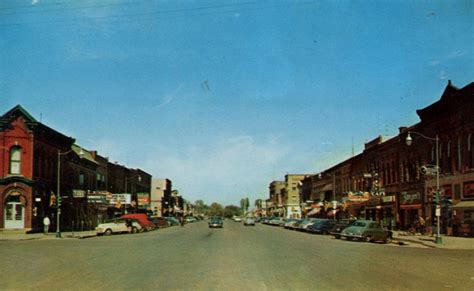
pixel 237 219
pixel 118 225
pixel 249 221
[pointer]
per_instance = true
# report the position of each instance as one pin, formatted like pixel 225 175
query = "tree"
pixel 216 209
pixel 231 210
pixel 200 207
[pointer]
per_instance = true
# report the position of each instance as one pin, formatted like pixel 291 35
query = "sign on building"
pixel 121 198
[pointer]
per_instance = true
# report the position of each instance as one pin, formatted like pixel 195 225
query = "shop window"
pixel 15 161
pixel 457 191
pixel 81 179
pixel 459 159
pixel 469 152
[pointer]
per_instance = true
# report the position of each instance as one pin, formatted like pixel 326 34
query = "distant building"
pixel 160 193
pixel 291 196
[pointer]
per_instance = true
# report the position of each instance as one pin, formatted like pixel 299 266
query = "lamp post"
pixel 58 199
pixel 409 141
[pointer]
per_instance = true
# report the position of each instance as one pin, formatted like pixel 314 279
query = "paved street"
pixel 233 258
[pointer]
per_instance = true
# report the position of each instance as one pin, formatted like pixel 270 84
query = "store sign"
pixel 97 199
pixel 121 199
pixel 143 199
pixel 78 193
pixel 358 196
pixel 411 198
pixel 388 199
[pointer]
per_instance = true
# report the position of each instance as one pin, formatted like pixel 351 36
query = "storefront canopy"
pixel 464 204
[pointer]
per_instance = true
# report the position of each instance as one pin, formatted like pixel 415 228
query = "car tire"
pixel 134 230
pixel 108 232
pixel 387 240
pixel 368 238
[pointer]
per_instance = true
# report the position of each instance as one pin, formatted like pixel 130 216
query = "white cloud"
pixel 224 171
pixel 34 2
pixel 456 54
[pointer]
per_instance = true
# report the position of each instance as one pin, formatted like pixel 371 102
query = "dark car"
pixel 367 230
pixel 339 226
pixel 322 226
pixel 173 221
pixel 159 222
pixel 216 222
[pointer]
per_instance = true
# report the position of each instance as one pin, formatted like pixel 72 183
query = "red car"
pixel 142 219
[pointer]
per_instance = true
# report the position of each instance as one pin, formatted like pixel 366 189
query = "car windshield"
pixel 359 224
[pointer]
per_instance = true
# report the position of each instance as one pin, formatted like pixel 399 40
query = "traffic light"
pixel 59 200
pixel 436 197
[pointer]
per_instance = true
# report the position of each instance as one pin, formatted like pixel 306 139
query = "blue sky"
pixel 222 97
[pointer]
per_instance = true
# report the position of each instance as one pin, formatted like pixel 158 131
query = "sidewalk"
pixel 449 242
pixel 18 235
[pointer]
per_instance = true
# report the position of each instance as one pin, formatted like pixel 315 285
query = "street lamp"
pixel 409 141
pixel 58 199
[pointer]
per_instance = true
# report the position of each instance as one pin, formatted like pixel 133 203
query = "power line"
pixel 229 8
pixel 135 14
pixel 37 5
pixel 68 9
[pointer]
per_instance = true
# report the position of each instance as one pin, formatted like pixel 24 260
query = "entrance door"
pixel 14 215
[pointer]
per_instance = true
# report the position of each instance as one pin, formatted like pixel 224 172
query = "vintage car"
pixel 118 225
pixel 366 230
pixel 216 222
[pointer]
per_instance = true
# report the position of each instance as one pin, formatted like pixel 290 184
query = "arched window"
pixel 15 161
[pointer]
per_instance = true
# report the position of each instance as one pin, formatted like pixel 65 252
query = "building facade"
pixel 41 169
pixel 395 183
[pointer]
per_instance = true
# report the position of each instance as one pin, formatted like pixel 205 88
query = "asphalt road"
pixel 236 257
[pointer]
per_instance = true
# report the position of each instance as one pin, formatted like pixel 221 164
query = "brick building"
pixel 386 182
pixel 29 155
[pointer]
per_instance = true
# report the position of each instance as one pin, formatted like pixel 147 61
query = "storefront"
pixel 410 209
pixel 463 218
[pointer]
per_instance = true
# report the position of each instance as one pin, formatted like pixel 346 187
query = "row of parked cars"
pixel 134 223
pixel 350 229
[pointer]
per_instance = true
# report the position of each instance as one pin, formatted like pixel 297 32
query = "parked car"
pixel 339 226
pixel 249 221
pixel 216 222
pixel 172 220
pixel 142 219
pixel 159 222
pixel 291 222
pixel 118 225
pixel 278 221
pixel 306 223
pixel 190 219
pixel 366 230
pixel 322 226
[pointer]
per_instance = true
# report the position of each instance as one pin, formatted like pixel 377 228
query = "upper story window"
pixel 15 161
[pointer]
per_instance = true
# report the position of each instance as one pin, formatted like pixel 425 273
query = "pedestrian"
pixel 422 224
pixel 46 223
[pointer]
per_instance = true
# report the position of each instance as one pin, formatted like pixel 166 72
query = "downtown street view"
pixel 231 145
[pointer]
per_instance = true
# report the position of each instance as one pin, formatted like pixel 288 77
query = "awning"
pixel 327 187
pixel 410 206
pixel 314 211
pixel 464 204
